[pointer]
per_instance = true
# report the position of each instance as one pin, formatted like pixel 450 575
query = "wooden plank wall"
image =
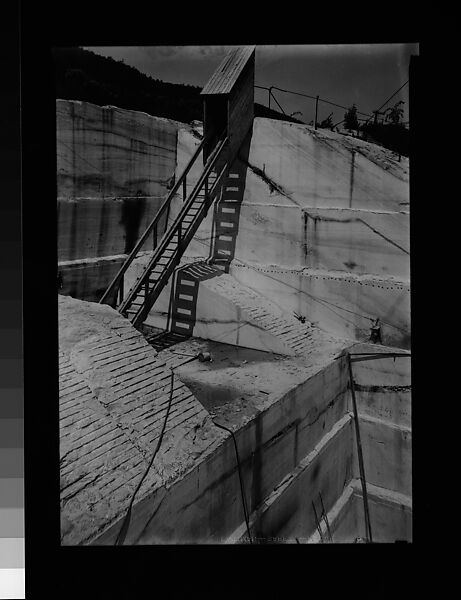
pixel 241 106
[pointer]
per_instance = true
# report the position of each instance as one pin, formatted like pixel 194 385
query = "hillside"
pixel 84 75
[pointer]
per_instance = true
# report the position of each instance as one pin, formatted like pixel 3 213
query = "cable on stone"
pixel 126 522
pixel 242 489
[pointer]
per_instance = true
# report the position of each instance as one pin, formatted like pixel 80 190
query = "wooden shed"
pixel 228 100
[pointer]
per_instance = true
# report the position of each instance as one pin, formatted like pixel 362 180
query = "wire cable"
pixel 274 87
pixel 126 522
pixel 242 489
pixel 400 88
pixel 321 300
pixel 390 98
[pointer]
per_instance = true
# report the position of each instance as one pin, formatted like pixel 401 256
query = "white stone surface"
pixel 316 169
pixel 106 151
pixel 341 303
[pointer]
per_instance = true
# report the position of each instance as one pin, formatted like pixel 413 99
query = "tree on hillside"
pixel 327 123
pixel 394 114
pixel 350 118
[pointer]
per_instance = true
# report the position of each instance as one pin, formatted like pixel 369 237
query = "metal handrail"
pixel 178 221
pixel 182 243
pixel 152 224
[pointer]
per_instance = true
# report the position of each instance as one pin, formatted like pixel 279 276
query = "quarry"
pixel 234 327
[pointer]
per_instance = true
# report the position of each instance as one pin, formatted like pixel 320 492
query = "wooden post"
pixel 316 111
pixel 360 454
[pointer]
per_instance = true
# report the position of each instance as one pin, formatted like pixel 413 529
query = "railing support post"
pixel 120 290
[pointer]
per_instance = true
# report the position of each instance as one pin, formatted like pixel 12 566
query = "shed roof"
pixel 225 76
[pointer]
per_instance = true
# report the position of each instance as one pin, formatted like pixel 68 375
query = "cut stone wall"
pixel 114 168
pixel 113 394
pixel 110 152
pixel 327 216
pixel 341 303
pixel 329 212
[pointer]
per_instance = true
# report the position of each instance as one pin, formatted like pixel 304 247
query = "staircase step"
pixel 182 325
pixel 225 242
pixel 182 288
pixel 183 311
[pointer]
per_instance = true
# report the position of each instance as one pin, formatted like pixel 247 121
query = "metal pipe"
pixel 316 111
pixel 374 355
pixel 377 356
pixel 360 454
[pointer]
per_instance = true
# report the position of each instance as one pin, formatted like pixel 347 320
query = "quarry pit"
pixel 261 442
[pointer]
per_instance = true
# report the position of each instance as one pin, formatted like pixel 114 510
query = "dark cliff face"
pixel 133 210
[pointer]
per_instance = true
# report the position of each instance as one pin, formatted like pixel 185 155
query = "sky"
pixel 364 74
